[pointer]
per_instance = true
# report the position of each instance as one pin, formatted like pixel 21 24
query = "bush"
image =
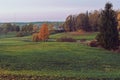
pixel 20 34
pixel 66 39
pixel 93 43
pixel 35 37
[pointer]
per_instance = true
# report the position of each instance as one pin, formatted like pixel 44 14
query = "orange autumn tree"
pixel 43 35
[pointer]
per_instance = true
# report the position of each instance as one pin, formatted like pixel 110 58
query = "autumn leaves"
pixel 43 34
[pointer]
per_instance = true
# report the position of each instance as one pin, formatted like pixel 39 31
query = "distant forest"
pixel 89 21
pixel 26 27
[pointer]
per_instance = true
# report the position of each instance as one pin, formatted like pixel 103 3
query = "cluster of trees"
pixel 34 28
pixel 42 35
pixel 27 28
pixel 106 21
pixel 8 27
pixel 85 21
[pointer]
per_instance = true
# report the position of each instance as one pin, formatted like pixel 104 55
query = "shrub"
pixel 35 37
pixel 93 43
pixel 20 34
pixel 66 39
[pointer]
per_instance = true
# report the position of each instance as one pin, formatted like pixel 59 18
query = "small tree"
pixel 35 37
pixel 35 28
pixel 17 29
pixel 108 36
pixel 44 33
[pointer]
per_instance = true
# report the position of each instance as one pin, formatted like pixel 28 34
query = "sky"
pixel 47 10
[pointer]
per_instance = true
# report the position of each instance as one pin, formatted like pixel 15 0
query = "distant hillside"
pixel 37 23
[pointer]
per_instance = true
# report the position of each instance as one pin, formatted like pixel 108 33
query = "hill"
pixel 37 23
pixel 21 57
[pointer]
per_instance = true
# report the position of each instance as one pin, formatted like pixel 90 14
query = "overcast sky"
pixel 47 10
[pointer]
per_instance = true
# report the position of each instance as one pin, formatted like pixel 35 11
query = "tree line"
pixel 89 21
pixel 8 27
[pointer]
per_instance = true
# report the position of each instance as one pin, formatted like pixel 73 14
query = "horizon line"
pixel 27 21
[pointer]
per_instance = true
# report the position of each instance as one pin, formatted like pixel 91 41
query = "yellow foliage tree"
pixel 35 37
pixel 44 33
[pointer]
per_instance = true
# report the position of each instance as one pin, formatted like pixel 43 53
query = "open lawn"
pixel 87 36
pixel 8 35
pixel 20 56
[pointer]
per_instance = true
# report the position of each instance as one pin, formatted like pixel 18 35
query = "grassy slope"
pixel 88 36
pixel 56 59
pixel 8 35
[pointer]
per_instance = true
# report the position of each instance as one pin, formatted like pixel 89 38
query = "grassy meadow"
pixel 87 36
pixel 20 56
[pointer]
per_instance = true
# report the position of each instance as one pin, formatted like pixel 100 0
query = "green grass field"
pixel 8 35
pixel 20 56
pixel 87 36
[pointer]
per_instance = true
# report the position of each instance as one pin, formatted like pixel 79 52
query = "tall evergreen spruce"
pixel 108 36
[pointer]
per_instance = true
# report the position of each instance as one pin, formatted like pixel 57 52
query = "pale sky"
pixel 47 10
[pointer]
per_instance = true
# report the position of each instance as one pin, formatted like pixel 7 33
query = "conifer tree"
pixel 108 37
